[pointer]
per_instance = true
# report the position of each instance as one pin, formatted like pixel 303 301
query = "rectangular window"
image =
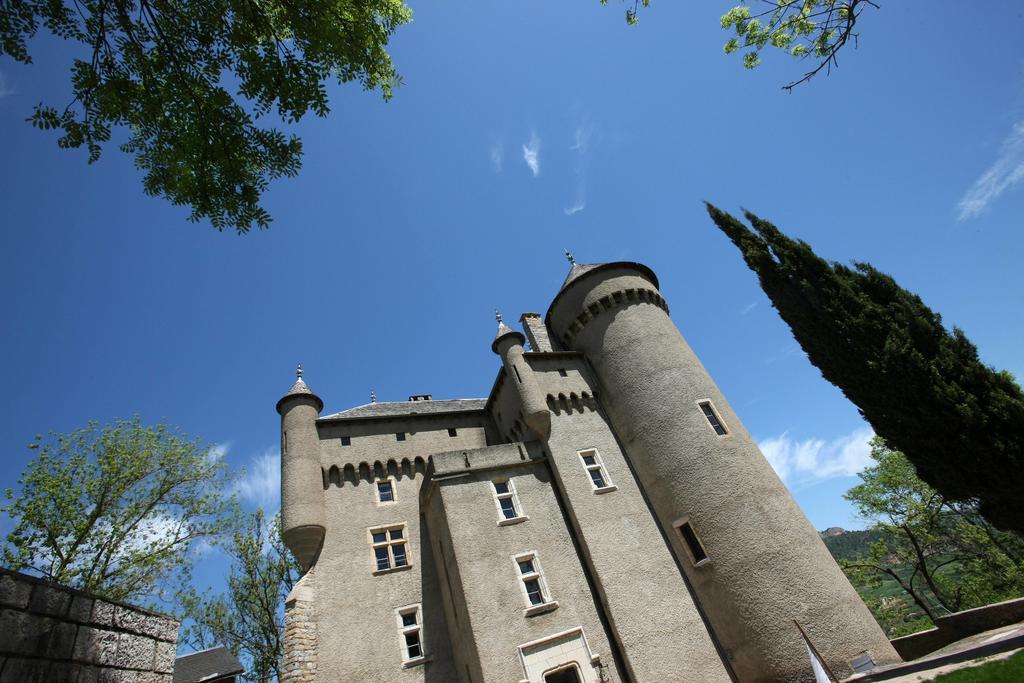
pixel 400 436
pixel 509 509
pixel 389 548
pixel 594 466
pixel 713 420
pixel 452 431
pixel 562 372
pixel 385 491
pixel 693 544
pixel 534 586
pixel 346 441
pixel 410 633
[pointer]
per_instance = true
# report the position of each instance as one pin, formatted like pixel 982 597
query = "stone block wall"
pixel 56 634
pixel 300 635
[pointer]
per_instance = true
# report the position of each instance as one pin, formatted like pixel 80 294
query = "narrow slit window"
pixel 518 378
pixel 452 431
pixel 389 548
pixel 693 544
pixel 505 496
pixel 385 491
pixel 713 419
pixel 400 436
pixel 346 441
pixel 410 633
pixel 596 471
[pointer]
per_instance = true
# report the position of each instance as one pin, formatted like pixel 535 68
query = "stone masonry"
pixel 54 634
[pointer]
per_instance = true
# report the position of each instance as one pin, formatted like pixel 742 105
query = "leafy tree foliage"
pixel 163 69
pixel 804 29
pixel 249 617
pixel 815 29
pixel 921 387
pixel 114 509
pixel 945 555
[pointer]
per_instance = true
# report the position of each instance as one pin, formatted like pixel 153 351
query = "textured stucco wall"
pixel 52 633
pixel 488 577
pixel 646 597
pixel 357 631
pixel 767 564
pixel 302 507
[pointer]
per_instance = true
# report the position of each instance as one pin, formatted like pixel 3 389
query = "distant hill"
pixel 847 545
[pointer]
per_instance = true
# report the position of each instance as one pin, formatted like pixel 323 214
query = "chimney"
pixel 536 332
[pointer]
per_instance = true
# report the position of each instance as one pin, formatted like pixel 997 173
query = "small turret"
pixel 509 345
pixel 303 520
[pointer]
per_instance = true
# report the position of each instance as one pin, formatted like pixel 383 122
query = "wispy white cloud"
pixel 813 460
pixel 576 207
pixel 1004 173
pixel 787 351
pixel 531 153
pixel 218 451
pixel 582 136
pixel 261 483
pixel 748 308
pixel 497 155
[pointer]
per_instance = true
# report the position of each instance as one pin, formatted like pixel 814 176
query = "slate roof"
pixel 577 270
pixel 207 665
pixel 405 408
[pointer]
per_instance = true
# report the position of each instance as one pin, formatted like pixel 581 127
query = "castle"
pixel 602 515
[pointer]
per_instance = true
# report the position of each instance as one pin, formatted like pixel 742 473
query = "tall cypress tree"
pixel 920 386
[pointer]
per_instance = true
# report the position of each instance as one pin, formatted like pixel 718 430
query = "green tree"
pixel 248 618
pixel 115 509
pixel 164 71
pixel 922 388
pixel 944 556
pixel 804 29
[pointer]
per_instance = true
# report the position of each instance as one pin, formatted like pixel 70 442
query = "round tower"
pixel 302 506
pixel 753 560
pixel 509 345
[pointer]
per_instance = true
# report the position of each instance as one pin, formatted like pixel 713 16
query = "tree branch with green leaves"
pixel 248 618
pixel 115 509
pixel 164 71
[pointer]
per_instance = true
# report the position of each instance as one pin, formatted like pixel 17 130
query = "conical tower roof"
pixel 503 331
pixel 300 388
pixel 577 270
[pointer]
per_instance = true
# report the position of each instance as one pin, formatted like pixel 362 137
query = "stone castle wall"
pixel 52 633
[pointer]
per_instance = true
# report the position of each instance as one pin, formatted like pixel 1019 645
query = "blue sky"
pixel 523 128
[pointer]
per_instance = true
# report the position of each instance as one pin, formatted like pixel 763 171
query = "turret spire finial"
pixel 373 396
pixel 568 255
pixel 298 372
pixel 497 315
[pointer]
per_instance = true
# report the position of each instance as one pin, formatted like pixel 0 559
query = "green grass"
pixel 1004 671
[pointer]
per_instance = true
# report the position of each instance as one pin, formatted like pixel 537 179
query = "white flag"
pixel 820 674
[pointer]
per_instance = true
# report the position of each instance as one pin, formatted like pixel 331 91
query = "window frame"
pixel 416 628
pixel 394 490
pixel 399 436
pixel 345 441
pixel 546 604
pixel 705 405
pixel 512 495
pixel 598 467
pixel 685 542
pixel 389 543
